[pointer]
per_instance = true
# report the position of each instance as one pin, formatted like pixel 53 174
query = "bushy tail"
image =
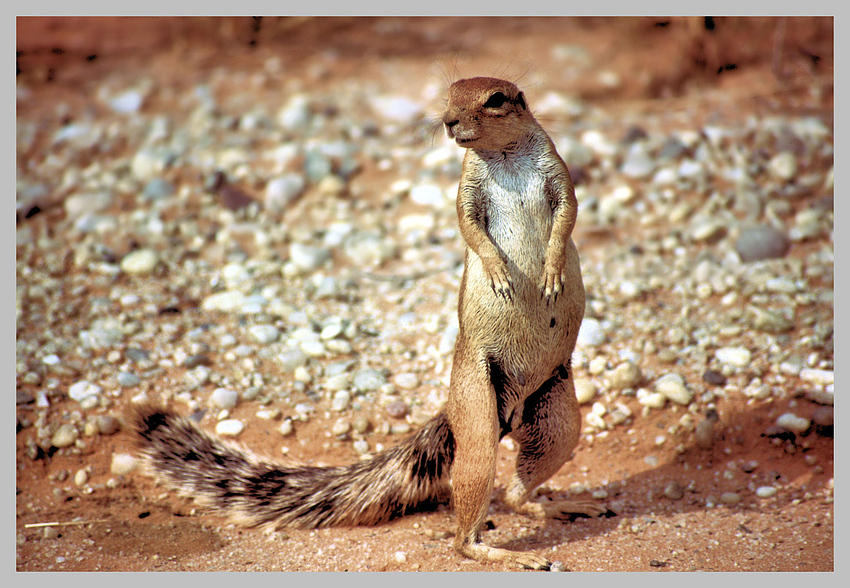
pixel 261 492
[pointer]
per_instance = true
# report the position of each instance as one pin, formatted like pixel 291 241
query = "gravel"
pixel 331 296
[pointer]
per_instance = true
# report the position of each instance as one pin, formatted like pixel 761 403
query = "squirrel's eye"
pixel 496 100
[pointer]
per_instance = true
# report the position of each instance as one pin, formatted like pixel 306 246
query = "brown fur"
pixel 520 306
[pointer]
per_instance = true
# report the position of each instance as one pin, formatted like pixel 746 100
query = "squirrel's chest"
pixel 517 204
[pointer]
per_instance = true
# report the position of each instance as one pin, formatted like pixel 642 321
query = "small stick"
pixel 65 524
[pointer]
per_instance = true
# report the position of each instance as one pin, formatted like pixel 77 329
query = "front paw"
pixel 500 279
pixel 552 283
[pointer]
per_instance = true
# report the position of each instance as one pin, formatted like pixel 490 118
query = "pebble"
pixel 65 436
pixel 818 377
pixel 673 387
pixel 81 477
pixel 157 189
pixel 229 428
pixel 361 446
pixel 264 334
pixel 77 205
pixel 704 434
pixel 306 258
pixel 674 491
pixel 783 165
pixel 585 391
pixel 761 243
pixel 79 391
pixel 824 416
pixel 791 422
pixel 730 498
pixel 653 400
pixel 227 301
pixel 127 380
pixel 766 491
pixel 738 357
pixel 223 398
pixel 282 191
pixel 397 409
pixel 625 375
pixel 406 381
pixel 341 400
pixel 590 333
pixel 107 424
pixel 368 380
pixel 122 464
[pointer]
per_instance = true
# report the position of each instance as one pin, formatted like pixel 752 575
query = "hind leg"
pixel 550 429
pixel 473 416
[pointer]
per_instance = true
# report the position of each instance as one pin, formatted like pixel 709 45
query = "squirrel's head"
pixel 485 113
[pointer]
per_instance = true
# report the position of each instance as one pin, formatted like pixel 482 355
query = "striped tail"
pixel 261 492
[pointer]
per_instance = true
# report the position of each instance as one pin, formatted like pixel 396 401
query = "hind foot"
pixel 563 509
pixel 521 559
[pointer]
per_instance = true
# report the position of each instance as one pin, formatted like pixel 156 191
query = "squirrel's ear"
pixel 520 99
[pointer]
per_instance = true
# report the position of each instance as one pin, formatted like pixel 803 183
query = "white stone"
pixel 224 398
pixel 229 428
pixel 122 464
pixel 83 389
pixel 673 387
pixel 817 376
pixel 765 491
pixel 791 422
pixel 585 391
pixel 264 334
pixel 142 261
pixel 590 334
pixel 224 301
pixel 734 356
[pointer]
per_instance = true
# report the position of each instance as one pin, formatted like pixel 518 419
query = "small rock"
pixel 224 301
pixel 791 422
pixel 766 491
pixel 730 498
pixel 307 258
pixel 590 333
pixel 281 191
pixel 397 409
pixel 157 189
pixel 127 380
pixel 400 557
pixel 585 391
pixel 733 356
pixel 653 400
pixel 769 321
pixel 367 380
pixel 264 334
pixel 341 400
pixel 122 464
pixel 817 376
pixel 65 436
pixel 140 262
pixel 107 424
pixel 824 416
pixel 714 377
pixel 79 391
pixel 558 566
pixel 783 165
pixel 229 428
pixel 77 205
pixel 81 477
pixel 761 243
pixel 406 381
pixel 704 434
pixel 361 446
pixel 625 375
pixel 341 428
pixel 672 386
pixel 674 491
pixel 224 399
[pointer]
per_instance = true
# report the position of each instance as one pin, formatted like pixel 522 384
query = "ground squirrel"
pixel 520 305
